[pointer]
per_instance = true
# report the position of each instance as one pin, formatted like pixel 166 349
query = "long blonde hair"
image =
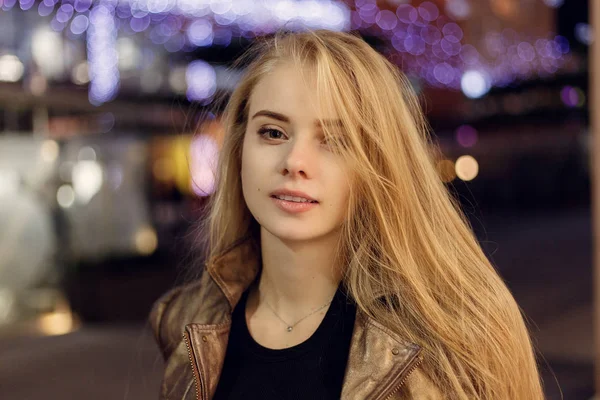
pixel 405 239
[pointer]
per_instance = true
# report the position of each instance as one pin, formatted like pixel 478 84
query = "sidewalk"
pixel 95 363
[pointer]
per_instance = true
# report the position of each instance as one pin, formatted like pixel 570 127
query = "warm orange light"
pixel 504 8
pixel 446 170
pixel 57 323
pixel 146 240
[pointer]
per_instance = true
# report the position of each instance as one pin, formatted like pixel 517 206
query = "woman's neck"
pixel 298 277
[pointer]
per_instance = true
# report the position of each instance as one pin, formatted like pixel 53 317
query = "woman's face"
pixel 286 161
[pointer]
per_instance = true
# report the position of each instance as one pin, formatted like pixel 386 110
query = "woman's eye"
pixel 270 133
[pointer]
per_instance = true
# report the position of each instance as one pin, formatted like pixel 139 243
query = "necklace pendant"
pixel 289 328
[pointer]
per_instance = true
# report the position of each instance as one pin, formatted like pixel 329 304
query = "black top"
pixel 313 369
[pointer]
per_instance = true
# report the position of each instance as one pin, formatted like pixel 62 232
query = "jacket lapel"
pixel 208 346
pixel 378 361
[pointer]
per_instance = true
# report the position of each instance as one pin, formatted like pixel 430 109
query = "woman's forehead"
pixel 289 91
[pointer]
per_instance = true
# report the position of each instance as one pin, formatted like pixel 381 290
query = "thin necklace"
pixel 290 327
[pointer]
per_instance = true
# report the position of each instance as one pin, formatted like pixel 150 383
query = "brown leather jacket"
pixel 192 323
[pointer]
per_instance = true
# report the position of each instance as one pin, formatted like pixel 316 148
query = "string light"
pixel 426 41
pixel 102 54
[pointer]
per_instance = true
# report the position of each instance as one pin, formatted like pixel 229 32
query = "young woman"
pixel 339 265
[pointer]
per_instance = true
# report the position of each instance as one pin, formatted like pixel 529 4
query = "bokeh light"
pixel 87 179
pixel 467 168
pixel 129 54
pixel 65 196
pixel 203 162
pixel 86 153
pixel 386 20
pixel 201 81
pixel 584 33
pixel 64 13
pixel 200 33
pixel 466 136
pixel 102 55
pixel 79 24
pixel 458 9
pixel 11 68
pixel 554 3
pixel 474 84
pixel 140 24
pixel 59 322
pixel 146 240
pixel 572 96
pixel 45 8
pixel 80 74
pixel 26 4
pixel 47 49
pixel 446 170
pixel 49 151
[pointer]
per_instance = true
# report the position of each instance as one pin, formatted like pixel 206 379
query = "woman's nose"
pixel 299 159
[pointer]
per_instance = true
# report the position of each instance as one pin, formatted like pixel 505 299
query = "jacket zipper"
pixel 193 365
pixel 403 381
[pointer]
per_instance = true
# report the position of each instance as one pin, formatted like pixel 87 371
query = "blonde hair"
pixel 412 260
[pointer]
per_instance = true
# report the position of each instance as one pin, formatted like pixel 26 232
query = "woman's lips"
pixel 293 207
pixel 291 193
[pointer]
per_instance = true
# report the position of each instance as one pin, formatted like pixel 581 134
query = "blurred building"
pixel 109 127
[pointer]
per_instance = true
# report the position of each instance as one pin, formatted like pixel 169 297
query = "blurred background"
pixel 108 137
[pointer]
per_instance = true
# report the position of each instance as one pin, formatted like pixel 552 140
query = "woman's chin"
pixel 297 235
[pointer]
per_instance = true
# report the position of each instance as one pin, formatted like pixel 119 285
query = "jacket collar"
pixel 379 359
pixel 235 269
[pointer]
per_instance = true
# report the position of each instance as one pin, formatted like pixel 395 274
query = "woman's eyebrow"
pixel 331 123
pixel 272 114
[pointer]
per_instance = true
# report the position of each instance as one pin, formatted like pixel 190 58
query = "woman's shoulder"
pixel 171 312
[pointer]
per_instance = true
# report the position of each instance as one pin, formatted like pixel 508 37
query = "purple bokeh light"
pixel 26 4
pixel 139 24
pixel 102 55
pixel 431 34
pixel 570 96
pixel 8 4
pixel 64 13
pixel 386 20
pixel 79 24
pixel 466 136
pixel 452 32
pixel 428 11
pixel 82 5
pixel 201 81
pixel 200 33
pixel 444 73
pixel 45 9
pixel 407 13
